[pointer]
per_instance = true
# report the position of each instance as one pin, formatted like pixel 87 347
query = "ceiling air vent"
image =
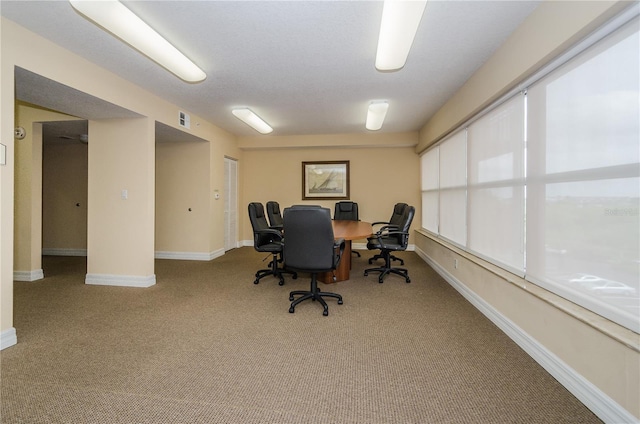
pixel 184 120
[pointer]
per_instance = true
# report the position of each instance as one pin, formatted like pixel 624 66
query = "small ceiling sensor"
pixel 19 133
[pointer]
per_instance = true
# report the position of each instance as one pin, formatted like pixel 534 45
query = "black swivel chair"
pixel 311 247
pixel 274 215
pixel 347 211
pixel 388 241
pixel 267 239
pixel 394 223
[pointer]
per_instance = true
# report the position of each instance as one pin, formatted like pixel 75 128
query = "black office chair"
pixel 394 223
pixel 311 247
pixel 388 241
pixel 347 211
pixel 274 215
pixel 267 239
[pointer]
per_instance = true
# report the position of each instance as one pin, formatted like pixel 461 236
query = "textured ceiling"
pixel 306 67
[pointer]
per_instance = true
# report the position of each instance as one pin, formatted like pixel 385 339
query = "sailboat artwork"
pixel 325 180
pixel 331 184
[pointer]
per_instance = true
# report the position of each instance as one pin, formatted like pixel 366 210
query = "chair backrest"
pixel 346 210
pixel 398 214
pixel 258 223
pixel 309 239
pixel 407 217
pixel 274 214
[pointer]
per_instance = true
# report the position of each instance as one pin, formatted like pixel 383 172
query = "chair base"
pixel 380 256
pixel 388 269
pixel 275 271
pixel 313 294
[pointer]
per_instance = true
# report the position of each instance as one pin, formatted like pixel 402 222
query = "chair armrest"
pixel 380 237
pixel 339 245
pixel 277 234
pixel 384 230
pixel 380 223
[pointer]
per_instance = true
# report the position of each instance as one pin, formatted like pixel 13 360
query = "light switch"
pixel 124 194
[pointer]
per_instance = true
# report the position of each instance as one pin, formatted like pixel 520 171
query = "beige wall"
pixel 28 186
pixel 182 197
pixel 64 197
pixel 603 353
pixel 120 233
pixel 379 176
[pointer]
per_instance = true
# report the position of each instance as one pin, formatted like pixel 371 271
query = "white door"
pixel 230 204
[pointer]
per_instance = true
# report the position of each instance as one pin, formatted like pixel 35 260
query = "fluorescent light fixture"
pixel 253 120
pixel 400 20
pixel 114 17
pixel 375 115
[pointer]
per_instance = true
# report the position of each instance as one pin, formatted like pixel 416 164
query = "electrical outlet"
pixel 455 263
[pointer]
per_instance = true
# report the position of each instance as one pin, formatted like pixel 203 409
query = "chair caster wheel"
pixel 295 276
pixel 281 282
pixel 291 310
pixel 339 301
pixel 366 273
pixel 370 262
pixel 325 312
pixel 380 280
pixel 408 280
pixel 291 298
pixel 256 281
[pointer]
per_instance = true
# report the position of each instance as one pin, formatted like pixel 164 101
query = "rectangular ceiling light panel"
pixel 114 17
pixel 376 114
pixel 254 121
pixel 400 21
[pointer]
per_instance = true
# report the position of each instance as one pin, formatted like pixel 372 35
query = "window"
pixel 496 185
pixel 583 183
pixel 571 184
pixel 430 205
pixel 453 190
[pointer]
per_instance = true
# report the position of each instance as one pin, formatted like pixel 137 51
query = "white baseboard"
pixel 8 338
pixel 36 274
pixel 190 256
pixel 52 251
pixel 593 398
pixel 120 280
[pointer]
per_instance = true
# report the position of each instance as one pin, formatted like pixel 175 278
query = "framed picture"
pixel 325 180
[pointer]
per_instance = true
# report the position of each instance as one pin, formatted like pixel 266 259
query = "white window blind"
pixel 583 233
pixel 453 190
pixel 496 185
pixel 429 169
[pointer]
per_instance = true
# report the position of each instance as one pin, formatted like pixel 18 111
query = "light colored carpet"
pixel 206 345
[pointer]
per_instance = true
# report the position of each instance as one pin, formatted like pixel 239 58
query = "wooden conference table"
pixel 348 230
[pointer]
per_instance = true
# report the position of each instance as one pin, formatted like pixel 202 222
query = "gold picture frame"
pixel 325 180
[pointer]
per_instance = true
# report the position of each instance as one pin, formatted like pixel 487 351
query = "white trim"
pixel 120 280
pixel 189 256
pixel 8 338
pixel 53 251
pixel 36 274
pixel 593 398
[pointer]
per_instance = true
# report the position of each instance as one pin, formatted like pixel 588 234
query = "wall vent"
pixel 184 120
